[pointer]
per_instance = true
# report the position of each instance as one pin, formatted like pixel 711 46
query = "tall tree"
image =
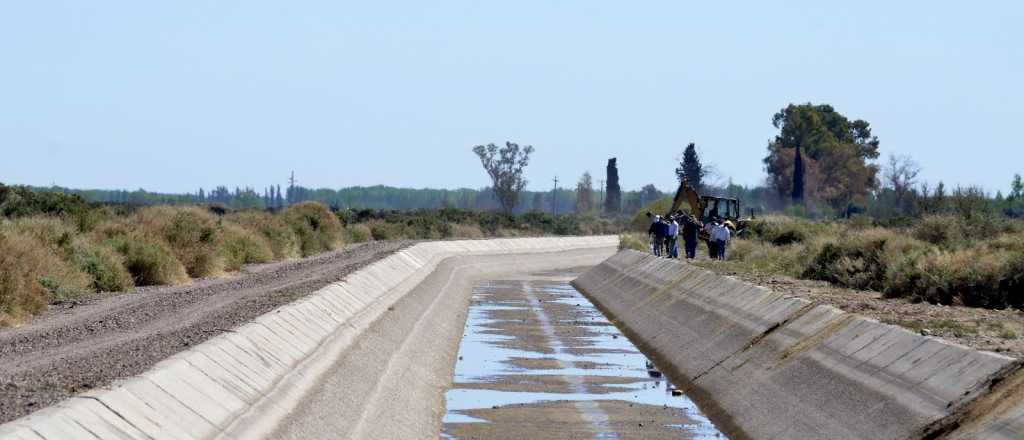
pixel 836 154
pixel 505 166
pixel 613 193
pixel 690 168
pixel 648 194
pixel 799 172
pixel 900 176
pixel 585 193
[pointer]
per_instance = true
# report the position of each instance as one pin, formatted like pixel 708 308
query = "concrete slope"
pixel 765 365
pixel 243 383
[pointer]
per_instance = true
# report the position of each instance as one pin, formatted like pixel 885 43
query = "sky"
pixel 172 96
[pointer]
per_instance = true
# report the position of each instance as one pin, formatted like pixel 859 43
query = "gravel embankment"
pixel 90 343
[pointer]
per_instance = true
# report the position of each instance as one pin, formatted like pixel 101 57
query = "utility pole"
pixel 554 198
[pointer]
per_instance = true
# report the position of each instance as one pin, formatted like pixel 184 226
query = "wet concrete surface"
pixel 537 360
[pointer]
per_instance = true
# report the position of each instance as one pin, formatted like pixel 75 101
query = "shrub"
pixel 31 275
pixel 970 277
pixel 282 239
pixel 466 231
pixel 192 234
pixel 382 230
pixel 148 259
pixel 781 231
pixel 317 228
pixel 640 222
pixel 242 246
pixel 634 241
pixel 358 233
pixel 103 263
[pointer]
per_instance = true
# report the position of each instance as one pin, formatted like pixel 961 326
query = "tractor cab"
pixel 724 208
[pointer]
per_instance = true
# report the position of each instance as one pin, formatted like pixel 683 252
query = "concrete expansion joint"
pixel 112 410
pixel 991 399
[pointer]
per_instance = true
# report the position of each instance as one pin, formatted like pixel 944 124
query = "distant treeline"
pixel 359 197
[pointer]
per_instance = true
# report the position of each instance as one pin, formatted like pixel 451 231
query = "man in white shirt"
pixel 720 234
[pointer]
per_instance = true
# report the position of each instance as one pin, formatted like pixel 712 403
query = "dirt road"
pixel 78 346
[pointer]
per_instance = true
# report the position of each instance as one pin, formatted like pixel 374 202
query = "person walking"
pixel 672 238
pixel 709 229
pixel 691 227
pixel 721 234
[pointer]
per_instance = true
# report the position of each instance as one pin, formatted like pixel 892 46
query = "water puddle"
pixel 537 359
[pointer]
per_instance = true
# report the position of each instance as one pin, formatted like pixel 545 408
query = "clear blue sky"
pixel 171 95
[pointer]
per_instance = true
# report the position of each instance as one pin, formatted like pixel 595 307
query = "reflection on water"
pixel 488 353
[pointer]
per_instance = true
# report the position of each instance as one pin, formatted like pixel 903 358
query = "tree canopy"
pixel 836 154
pixel 505 167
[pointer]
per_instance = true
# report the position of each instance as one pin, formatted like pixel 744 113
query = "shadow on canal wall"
pixel 765 365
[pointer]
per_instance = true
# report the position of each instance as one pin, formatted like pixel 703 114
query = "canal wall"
pixel 247 381
pixel 767 365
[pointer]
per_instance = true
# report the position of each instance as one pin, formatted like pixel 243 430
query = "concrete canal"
pixel 538 360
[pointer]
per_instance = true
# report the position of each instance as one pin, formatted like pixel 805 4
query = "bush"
pixel 149 260
pixel 781 231
pixel 242 246
pixel 382 230
pixel 634 241
pixel 970 277
pixel 282 239
pixel 317 228
pixel 32 275
pixel 358 233
pixel 103 263
pixel 466 231
pixel 192 234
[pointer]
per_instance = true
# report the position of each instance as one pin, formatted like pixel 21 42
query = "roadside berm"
pixel 767 365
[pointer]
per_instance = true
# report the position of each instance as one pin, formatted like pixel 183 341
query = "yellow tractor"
pixel 706 208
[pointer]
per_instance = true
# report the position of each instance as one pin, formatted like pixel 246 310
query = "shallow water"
pixel 579 356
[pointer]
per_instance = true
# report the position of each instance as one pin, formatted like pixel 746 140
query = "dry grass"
pixel 149 260
pixel 242 246
pixel 32 275
pixel 317 228
pixel 282 240
pixel 193 235
pixel 466 231
pixel 358 233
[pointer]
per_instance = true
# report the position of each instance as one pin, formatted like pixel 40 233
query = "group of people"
pixel 665 232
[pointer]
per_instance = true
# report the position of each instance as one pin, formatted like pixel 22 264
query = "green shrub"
pixel 381 230
pixel 103 263
pixel 317 228
pixel 148 259
pixel 32 274
pixel 781 231
pixel 192 234
pixel 282 239
pixel 358 233
pixel 242 246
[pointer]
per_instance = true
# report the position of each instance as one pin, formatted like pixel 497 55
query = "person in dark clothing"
pixel 658 231
pixel 712 246
pixel 691 228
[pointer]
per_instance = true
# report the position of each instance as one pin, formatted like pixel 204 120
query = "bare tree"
pixel 505 167
pixel 900 176
pixel 585 193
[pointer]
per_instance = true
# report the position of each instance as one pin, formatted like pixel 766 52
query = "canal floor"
pixel 538 360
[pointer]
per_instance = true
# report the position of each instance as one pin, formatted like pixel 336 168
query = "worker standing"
pixel 720 234
pixel 691 227
pixel 658 231
pixel 672 238
pixel 709 229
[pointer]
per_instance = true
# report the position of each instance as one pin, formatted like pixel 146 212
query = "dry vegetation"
pixel 47 258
